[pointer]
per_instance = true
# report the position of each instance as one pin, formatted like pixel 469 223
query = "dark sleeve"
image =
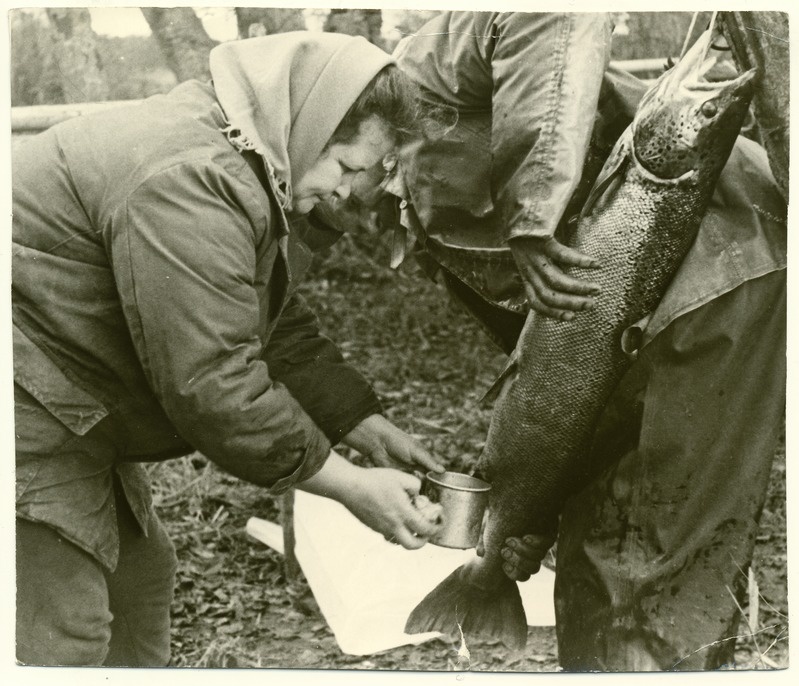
pixel 184 258
pixel 539 74
pixel 332 392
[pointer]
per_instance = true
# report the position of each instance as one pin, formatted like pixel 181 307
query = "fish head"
pixel 688 122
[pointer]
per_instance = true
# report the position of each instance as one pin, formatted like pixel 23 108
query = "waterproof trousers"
pixel 77 604
pixel 653 553
pixel 71 611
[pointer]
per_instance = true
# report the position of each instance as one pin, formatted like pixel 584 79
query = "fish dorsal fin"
pixel 612 171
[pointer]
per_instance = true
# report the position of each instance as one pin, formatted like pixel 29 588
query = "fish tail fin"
pixel 457 603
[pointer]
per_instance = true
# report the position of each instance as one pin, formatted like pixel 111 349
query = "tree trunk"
pixel 263 21
pixel 366 23
pixel 35 78
pixel 182 39
pixel 656 34
pixel 82 78
pixel 760 39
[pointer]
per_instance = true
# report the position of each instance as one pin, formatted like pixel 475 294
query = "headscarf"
pixel 284 95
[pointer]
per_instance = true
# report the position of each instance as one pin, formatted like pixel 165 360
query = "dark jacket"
pixel 153 286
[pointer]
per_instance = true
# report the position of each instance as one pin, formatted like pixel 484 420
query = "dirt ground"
pixel 430 364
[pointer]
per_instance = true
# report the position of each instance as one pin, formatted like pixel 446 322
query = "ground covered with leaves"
pixel 430 364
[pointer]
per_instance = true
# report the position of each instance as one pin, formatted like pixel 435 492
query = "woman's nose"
pixel 344 189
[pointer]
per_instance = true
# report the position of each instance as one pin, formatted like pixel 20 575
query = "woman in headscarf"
pixel 154 269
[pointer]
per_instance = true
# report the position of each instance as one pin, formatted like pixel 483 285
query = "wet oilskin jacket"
pixel 463 188
pixel 525 87
pixel 529 83
pixel 154 314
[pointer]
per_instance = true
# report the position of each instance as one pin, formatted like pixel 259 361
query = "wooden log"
pixel 41 117
pixel 27 120
pixel 290 562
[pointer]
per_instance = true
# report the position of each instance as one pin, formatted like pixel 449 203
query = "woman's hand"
pixel 381 498
pixel 542 263
pixel 388 446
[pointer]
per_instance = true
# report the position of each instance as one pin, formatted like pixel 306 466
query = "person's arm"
pixel 184 255
pixel 547 72
pixel 335 395
pixel 539 74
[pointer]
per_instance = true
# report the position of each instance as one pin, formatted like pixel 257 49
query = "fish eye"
pixel 709 109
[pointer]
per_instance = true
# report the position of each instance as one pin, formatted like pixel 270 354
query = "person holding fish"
pixel 644 314
pixel 156 250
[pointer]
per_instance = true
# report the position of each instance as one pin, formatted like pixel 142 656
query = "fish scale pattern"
pixel 567 370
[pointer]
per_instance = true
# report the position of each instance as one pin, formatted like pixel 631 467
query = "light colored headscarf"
pixel 284 95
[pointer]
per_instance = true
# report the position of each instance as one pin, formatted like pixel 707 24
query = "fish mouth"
pixel 702 78
pixel 744 85
pixel 695 71
pixel 740 88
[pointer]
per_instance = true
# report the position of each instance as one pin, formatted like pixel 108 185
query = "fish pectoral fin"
pixel 456 605
pixel 510 368
pixel 611 173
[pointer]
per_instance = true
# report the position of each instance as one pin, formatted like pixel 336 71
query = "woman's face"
pixel 332 174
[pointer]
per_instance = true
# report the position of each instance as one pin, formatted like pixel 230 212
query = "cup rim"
pixel 479 486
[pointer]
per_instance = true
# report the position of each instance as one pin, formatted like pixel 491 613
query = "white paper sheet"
pixel 367 587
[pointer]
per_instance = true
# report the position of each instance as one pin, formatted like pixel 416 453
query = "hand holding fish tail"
pixel 522 556
pixel 543 263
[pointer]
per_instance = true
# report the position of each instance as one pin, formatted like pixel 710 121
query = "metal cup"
pixel 463 500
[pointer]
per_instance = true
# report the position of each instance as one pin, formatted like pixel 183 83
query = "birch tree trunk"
pixel 182 39
pixel 75 49
pixel 264 21
pixel 366 23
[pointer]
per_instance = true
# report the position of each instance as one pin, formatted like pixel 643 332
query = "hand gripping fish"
pixel 638 222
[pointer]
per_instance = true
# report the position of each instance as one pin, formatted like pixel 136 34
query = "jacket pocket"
pixel 35 372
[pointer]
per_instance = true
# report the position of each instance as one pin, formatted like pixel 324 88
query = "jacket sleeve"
pixel 332 392
pixel 184 254
pixel 539 74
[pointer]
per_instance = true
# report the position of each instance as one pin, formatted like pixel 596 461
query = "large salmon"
pixel 638 222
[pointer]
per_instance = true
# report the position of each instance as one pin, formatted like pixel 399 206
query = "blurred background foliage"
pixel 58 57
